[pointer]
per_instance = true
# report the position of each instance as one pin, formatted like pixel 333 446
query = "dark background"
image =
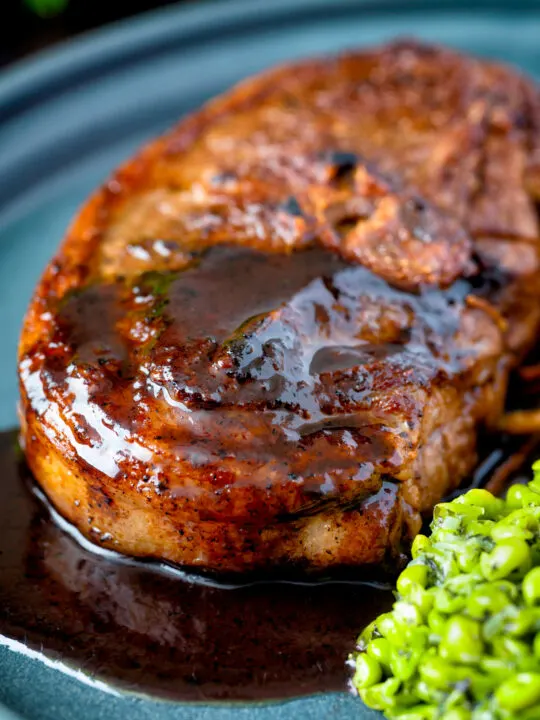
pixel 23 31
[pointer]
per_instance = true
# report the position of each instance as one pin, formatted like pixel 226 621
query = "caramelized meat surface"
pixel 273 337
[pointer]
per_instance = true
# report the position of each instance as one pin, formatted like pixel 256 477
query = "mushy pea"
pixel 462 641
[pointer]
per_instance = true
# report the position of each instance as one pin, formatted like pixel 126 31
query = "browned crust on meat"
pixel 441 191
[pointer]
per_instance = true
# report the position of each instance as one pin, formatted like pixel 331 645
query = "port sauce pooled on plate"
pixel 147 629
pixel 150 629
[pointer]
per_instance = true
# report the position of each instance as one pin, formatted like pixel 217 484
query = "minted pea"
pixel 491 505
pixel 483 685
pixel 429 693
pixel 526 518
pixel 368 672
pixel 386 625
pixel 506 557
pixel 536 646
pixel 527 663
pixel 486 600
pixel 502 531
pixel 418 712
pixel 411 577
pixel 480 529
pixel 507 587
pixel 448 538
pixel 507 647
pixel 403 663
pixel 520 621
pixel 443 558
pixel 531 586
pixel 436 622
pixel 380 649
pixel 440 674
pixel 423 599
pixel 469 555
pixel 420 544
pixel 407 614
pixel 462 640
pixel 497 666
pixel 536 469
pixel 521 496
pixel 457 713
pixel 519 692
pixel 381 696
pixel 369 632
pixel 448 602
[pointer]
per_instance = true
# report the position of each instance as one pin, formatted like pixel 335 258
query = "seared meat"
pixel 273 337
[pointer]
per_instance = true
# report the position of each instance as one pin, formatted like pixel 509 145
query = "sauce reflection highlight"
pixel 149 631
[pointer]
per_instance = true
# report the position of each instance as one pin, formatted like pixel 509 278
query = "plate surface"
pixel 68 116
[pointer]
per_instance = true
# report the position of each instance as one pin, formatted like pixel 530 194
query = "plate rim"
pixel 25 81
pixel 44 73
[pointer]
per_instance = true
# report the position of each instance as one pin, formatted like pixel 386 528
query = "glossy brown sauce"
pixel 153 630
pixel 245 361
pixel 147 630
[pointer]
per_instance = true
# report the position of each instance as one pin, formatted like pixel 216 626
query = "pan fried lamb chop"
pixel 273 337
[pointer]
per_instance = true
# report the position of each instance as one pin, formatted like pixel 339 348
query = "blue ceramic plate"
pixel 67 117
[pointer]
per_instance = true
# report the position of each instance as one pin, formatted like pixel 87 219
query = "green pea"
pixel 520 496
pixel 492 506
pixel 411 577
pixel 531 586
pixel 380 649
pixel 469 555
pixel 381 696
pixel 497 666
pixel 369 632
pixel 486 600
pixel 436 622
pixel 508 556
pixel 527 663
pixel 529 714
pixel 423 599
pixel 482 685
pixel 448 602
pixel 407 614
pixel 368 672
pixel 418 712
pixel 403 663
pixel 508 647
pixel 504 531
pixel 526 518
pixel 386 624
pixel 536 646
pixel 519 692
pixel 443 558
pixel 449 539
pixel 507 587
pixel 457 713
pixel 462 640
pixel 440 674
pixel 420 544
pixel 534 485
pixel 519 621
pixel 480 529
pixel 464 583
pixel 429 693
pixel 394 629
